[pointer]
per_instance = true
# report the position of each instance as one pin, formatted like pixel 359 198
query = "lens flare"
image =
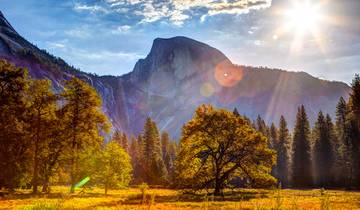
pixel 207 89
pixel 228 75
pixel 82 182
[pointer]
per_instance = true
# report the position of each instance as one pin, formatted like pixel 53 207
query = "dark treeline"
pixel 325 155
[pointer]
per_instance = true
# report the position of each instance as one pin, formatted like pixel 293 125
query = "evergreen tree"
pixel 301 164
pixel 84 122
pixel 283 156
pixel 355 100
pixel 152 158
pixel 125 142
pixel 14 147
pixel 273 136
pixel 236 112
pixel 273 144
pixel 262 127
pixel 117 137
pixel 342 147
pixel 323 156
pixel 168 152
pixel 165 144
pixel 353 126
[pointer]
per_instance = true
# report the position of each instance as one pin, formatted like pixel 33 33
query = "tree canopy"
pixel 216 146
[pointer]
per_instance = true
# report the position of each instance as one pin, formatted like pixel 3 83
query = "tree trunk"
pixel 36 158
pixel 218 188
pixel 45 187
pixel 36 171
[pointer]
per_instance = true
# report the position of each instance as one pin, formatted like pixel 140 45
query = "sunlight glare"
pixel 303 17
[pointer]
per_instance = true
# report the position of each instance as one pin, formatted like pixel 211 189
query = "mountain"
pixel 178 75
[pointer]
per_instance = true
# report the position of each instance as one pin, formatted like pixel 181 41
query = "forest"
pixel 50 139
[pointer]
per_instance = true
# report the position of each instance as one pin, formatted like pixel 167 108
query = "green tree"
pixel 342 147
pixel 273 132
pixel 217 146
pixel 283 149
pixel 154 166
pixel 14 156
pixel 262 127
pixel 113 167
pixel 323 152
pixel 353 126
pixel 121 139
pixel 301 165
pixel 168 152
pixel 84 121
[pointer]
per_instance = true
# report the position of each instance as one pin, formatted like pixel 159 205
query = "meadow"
pixel 133 198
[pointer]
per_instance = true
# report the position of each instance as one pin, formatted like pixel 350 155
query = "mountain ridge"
pixel 176 76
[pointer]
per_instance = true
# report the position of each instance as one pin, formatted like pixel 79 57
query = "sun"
pixel 304 17
pixel 302 20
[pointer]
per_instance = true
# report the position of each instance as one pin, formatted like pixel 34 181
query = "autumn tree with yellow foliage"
pixel 217 146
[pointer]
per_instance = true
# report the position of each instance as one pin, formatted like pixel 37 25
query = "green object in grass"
pixel 82 182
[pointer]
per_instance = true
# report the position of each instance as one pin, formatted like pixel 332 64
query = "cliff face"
pixel 178 75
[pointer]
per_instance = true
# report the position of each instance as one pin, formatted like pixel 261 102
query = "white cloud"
pixel 178 11
pixel 121 29
pixel 92 8
pixel 56 45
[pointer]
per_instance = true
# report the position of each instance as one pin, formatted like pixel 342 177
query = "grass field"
pixel 170 199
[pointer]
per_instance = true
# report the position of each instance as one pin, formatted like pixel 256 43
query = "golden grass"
pixel 172 199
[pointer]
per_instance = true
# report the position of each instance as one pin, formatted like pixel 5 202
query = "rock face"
pixel 178 75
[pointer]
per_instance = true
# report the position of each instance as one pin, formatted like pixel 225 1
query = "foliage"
pixel 283 150
pixel 83 120
pixel 14 88
pixel 216 146
pixel 113 167
pixel 302 165
pixel 323 152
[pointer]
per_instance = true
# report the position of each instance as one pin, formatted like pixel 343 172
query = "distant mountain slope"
pixel 178 75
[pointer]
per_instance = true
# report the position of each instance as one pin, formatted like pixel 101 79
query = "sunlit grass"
pixel 171 199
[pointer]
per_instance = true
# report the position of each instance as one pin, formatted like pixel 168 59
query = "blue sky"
pixel 109 36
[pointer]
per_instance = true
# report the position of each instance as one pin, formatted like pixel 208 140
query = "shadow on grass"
pixel 23 196
pixel 230 196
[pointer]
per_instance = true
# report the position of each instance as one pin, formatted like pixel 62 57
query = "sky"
pixel 107 37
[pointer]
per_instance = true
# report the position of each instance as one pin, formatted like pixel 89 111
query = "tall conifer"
pixel 301 164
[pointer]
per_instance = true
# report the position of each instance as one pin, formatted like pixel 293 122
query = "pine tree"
pixel 353 126
pixel 125 142
pixel 283 156
pixel 154 165
pixel 355 100
pixel 301 164
pixel 262 127
pixel 14 87
pixel 84 121
pixel 273 144
pixel 167 152
pixel 236 112
pixel 273 136
pixel 117 137
pixel 323 156
pixel 342 148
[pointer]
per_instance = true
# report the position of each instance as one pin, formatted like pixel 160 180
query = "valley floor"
pixel 171 199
